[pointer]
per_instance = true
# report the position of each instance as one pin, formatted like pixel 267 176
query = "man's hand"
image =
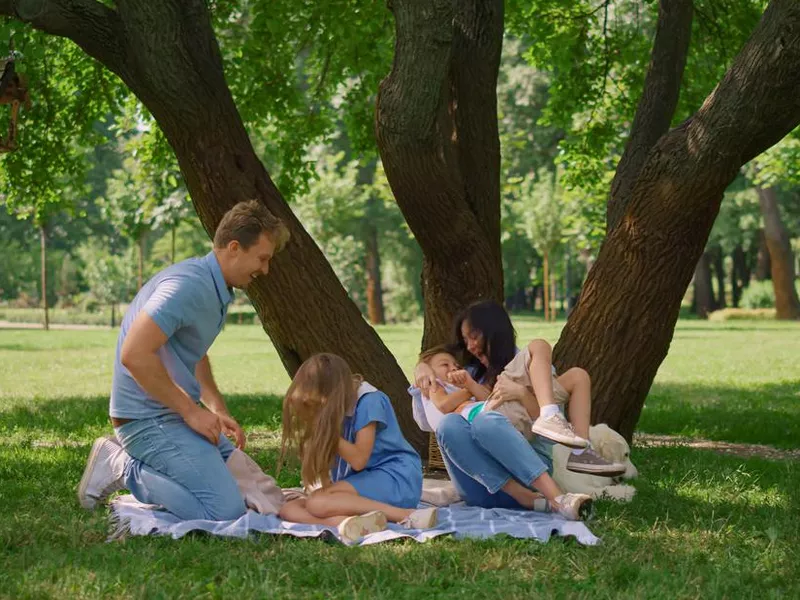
pixel 233 430
pixel 460 378
pixel 205 423
pixel 504 391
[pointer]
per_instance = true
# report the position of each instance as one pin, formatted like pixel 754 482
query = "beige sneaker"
pixel 574 507
pixel 103 473
pixel 557 429
pixel 356 527
pixel 423 518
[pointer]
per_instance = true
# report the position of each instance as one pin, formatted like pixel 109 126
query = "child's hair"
pixel 313 412
pixel 499 337
pixel 426 355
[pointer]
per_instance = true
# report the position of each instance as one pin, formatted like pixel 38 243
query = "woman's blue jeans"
pixel 482 456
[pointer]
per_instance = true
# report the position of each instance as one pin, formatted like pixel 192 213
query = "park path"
pixel 69 326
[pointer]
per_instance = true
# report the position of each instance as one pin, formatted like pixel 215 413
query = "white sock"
pixel 548 410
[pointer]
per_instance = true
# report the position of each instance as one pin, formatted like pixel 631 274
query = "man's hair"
pixel 426 355
pixel 245 223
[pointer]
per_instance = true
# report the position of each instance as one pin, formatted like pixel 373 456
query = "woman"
pixel 490 462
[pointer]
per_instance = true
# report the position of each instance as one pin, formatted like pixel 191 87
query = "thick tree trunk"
pixel 657 105
pixel 373 269
pixel 787 304
pixel 763 266
pixel 621 329
pixel 168 56
pixel 740 274
pixel 140 265
pixel 719 271
pixel 43 257
pixel 703 290
pixel 436 127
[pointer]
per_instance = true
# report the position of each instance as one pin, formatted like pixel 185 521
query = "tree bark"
pixel 763 265
pixel 703 290
pixel 167 54
pixel 719 270
pixel 787 304
pixel 657 105
pixel 43 256
pixel 375 311
pixel 436 127
pixel 740 274
pixel 621 329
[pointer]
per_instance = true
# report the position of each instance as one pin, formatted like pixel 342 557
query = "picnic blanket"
pixel 130 517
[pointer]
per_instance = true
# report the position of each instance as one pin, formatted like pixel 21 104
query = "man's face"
pixel 252 262
pixel 442 364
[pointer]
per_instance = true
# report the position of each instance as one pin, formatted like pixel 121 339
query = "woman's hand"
pixel 460 378
pixel 424 378
pixel 506 390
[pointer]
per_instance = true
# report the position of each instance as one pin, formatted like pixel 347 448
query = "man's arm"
pixel 212 398
pixel 139 356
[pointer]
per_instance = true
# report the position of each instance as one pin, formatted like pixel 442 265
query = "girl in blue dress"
pixel 347 438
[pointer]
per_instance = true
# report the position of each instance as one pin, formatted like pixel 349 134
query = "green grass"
pixel 702 524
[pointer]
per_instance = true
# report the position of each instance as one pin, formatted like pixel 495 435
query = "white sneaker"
pixel 574 507
pixel 354 528
pixel 103 474
pixel 423 518
pixel 557 429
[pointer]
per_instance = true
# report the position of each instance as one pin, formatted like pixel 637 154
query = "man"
pixel 173 450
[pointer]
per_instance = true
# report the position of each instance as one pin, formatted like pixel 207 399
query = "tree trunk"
pixel 373 268
pixel 740 274
pixel 43 243
pixel 546 284
pixel 436 127
pixel 719 270
pixel 657 105
pixel 763 266
pixel 168 56
pixel 787 304
pixel 140 266
pixel 703 290
pixel 621 329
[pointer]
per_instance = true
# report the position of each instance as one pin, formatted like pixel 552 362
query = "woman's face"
pixel 475 343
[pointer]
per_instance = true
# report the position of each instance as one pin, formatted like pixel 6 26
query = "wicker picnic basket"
pixel 435 460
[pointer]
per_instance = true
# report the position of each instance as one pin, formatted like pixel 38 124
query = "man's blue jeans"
pixel 482 456
pixel 176 467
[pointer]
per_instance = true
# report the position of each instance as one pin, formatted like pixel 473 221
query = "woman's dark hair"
pixel 499 338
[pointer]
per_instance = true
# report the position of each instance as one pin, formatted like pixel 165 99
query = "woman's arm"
pixel 357 454
pixel 506 390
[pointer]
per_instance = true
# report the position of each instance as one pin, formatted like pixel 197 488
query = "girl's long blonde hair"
pixel 322 391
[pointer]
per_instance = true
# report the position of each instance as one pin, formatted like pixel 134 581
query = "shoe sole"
pixel 569 442
pixel 371 522
pixel 88 502
pixel 599 471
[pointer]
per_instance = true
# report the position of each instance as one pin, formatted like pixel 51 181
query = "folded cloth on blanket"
pixel 130 517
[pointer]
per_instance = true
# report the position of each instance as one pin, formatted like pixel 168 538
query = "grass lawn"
pixel 702 525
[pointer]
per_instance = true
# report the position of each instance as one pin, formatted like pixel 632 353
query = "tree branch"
pixel 96 28
pixel 658 102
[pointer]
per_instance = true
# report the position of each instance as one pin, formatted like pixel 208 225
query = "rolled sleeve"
pixel 173 304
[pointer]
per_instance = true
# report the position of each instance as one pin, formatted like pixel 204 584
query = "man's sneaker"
pixel 423 518
pixel 103 474
pixel 574 507
pixel 591 463
pixel 557 429
pixel 354 528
